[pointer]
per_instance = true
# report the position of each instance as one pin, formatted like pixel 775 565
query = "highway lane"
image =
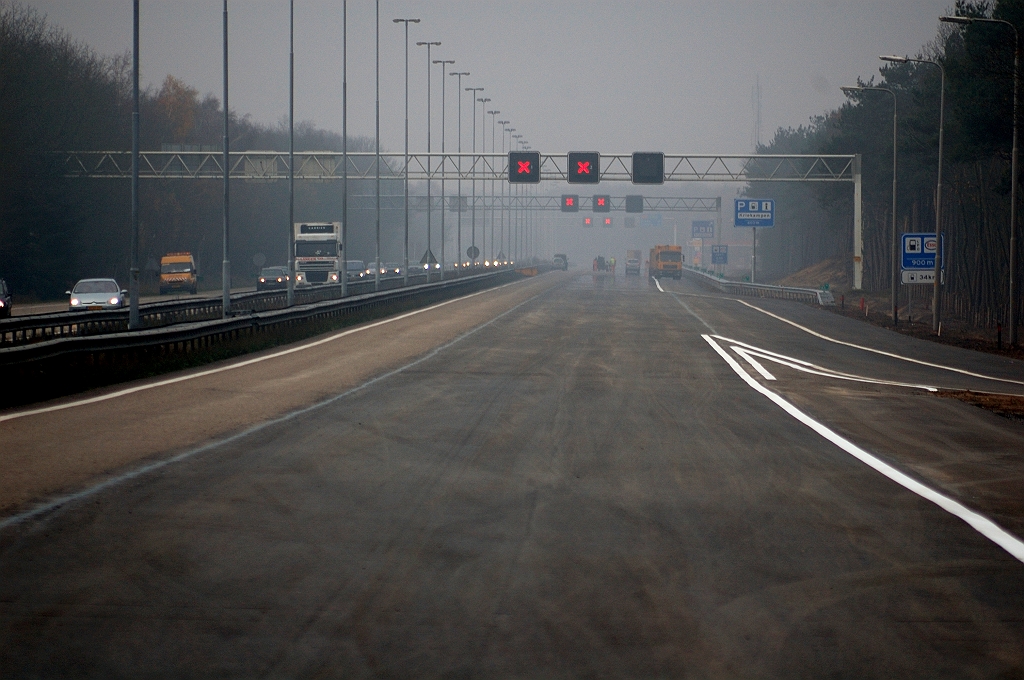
pixel 574 483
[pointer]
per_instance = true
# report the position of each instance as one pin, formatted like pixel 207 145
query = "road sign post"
pixel 720 254
pixel 917 262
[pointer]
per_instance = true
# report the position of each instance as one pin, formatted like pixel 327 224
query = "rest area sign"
pixel 754 212
pixel 919 251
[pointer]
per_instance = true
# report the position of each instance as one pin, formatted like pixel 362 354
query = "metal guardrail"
pixel 28 329
pixel 821 297
pixel 186 337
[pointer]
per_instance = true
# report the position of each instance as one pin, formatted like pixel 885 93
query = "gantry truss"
pixel 544 203
pixel 327 165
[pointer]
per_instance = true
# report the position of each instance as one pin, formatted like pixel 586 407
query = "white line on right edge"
pixel 979 522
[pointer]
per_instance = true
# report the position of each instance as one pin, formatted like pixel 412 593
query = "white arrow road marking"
pixel 983 525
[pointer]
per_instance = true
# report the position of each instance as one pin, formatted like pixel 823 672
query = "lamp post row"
pixel 937 272
pixel 133 282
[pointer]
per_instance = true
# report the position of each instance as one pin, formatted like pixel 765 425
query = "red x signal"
pixel 600 201
pixel 569 200
pixel 524 167
pixel 584 168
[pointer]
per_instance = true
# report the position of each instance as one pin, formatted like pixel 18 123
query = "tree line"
pixel 814 220
pixel 57 94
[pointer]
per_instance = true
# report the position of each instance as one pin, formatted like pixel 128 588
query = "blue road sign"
pixel 919 251
pixel 703 229
pixel 754 212
pixel 720 254
pixel 651 220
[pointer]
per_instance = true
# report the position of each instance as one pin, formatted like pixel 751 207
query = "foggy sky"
pixel 606 76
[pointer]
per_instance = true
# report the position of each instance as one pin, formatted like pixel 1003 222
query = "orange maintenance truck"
pixel 178 273
pixel 666 261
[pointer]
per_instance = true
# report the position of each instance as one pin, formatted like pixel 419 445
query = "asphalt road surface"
pixel 568 476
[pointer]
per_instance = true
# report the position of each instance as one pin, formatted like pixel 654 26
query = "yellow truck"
pixel 178 273
pixel 666 261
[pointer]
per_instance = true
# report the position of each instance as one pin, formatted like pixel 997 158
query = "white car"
pixel 96 294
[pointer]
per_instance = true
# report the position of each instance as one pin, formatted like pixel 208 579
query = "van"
pixel 178 273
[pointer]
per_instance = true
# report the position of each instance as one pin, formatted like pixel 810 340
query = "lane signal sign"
pixel 583 167
pixel 524 167
pixel 607 221
pixel 588 221
pixel 602 203
pixel 634 204
pixel 648 167
pixel 570 203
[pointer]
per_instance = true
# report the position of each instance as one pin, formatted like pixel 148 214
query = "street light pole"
pixel 458 238
pixel 474 90
pixel 405 265
pixel 493 115
pixel 291 154
pixel 895 235
pixel 430 210
pixel 483 149
pixel 504 152
pixel 442 62
pixel 518 211
pixel 1013 162
pixel 133 280
pixel 936 285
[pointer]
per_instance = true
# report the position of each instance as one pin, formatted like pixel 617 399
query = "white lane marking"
pixel 138 472
pixel 686 307
pixel 814 369
pixel 753 362
pixel 240 364
pixel 976 520
pixel 879 351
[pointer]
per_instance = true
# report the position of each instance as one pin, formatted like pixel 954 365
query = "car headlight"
pixel 334 277
pixel 263 280
pixel 114 300
pixel 1 304
pixel 75 302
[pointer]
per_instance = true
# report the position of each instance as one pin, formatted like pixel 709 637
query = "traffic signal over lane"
pixel 648 167
pixel 588 221
pixel 584 167
pixel 607 221
pixel 634 204
pixel 570 203
pixel 602 203
pixel 524 167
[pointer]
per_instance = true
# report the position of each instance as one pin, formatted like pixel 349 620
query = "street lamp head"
pixel 408 21
pixel 423 42
pixel 956 20
pixel 444 61
pixel 459 73
pixel 473 89
pixel 893 58
pixel 494 113
pixel 483 99
pixel 848 90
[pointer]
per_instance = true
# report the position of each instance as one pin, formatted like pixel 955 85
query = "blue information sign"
pixel 720 254
pixel 703 229
pixel 919 251
pixel 754 212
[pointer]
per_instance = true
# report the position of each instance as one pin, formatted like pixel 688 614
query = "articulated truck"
pixel 666 261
